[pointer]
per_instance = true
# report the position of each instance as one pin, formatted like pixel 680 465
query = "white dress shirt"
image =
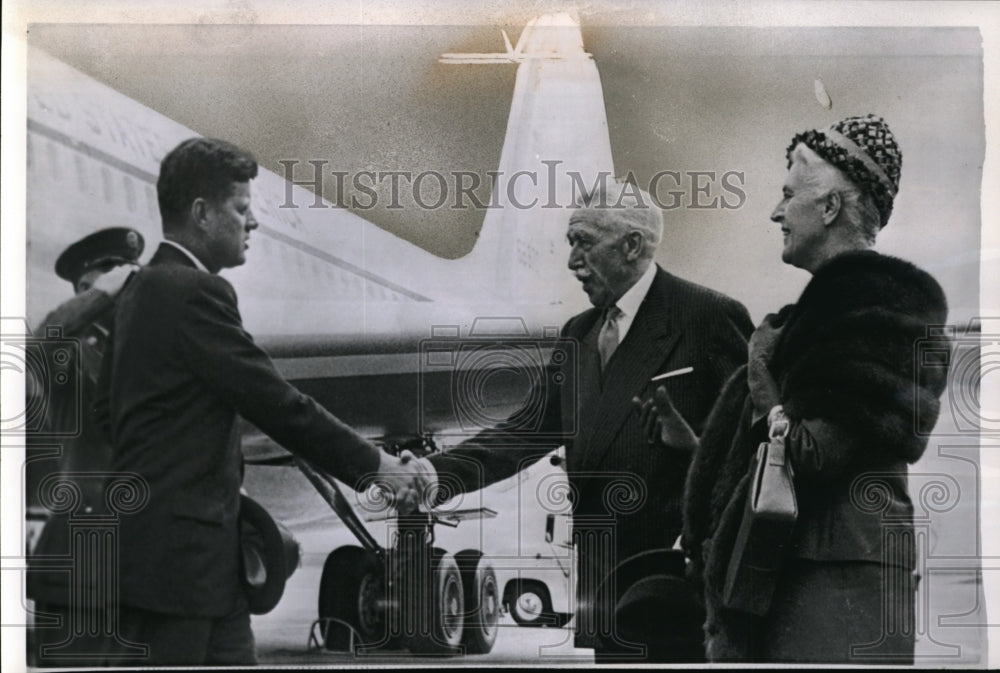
pixel 190 255
pixel 632 299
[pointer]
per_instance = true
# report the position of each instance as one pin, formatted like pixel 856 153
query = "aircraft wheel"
pixel 442 611
pixel 482 602
pixel 352 589
pixel 530 604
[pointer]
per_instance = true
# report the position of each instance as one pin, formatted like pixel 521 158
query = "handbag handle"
pixel 778 426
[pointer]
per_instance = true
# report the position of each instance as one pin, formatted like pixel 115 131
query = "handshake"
pixel 408 481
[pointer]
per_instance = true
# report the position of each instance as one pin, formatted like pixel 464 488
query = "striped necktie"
pixel 607 340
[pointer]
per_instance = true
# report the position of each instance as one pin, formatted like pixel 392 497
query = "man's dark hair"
pixel 200 167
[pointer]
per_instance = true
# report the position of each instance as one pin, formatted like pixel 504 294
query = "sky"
pixel 717 100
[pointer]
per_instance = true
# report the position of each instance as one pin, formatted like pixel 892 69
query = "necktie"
pixel 607 340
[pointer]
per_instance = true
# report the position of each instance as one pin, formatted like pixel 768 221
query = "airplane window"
pixel 106 183
pixel 53 153
pixel 151 204
pixel 81 172
pixel 129 193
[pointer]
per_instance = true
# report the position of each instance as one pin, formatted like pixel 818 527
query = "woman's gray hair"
pixel 858 208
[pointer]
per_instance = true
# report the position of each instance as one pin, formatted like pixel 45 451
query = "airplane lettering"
pixel 90 119
pixel 138 141
pixel 59 108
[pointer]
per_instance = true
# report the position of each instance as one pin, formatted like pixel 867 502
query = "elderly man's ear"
pixel 634 245
pixel 831 207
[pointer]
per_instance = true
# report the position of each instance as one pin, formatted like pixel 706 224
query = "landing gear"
pixel 482 602
pixel 412 593
pixel 352 597
pixel 440 612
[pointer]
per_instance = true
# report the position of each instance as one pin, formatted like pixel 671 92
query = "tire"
pixel 443 616
pixel 530 604
pixel 350 589
pixel 482 602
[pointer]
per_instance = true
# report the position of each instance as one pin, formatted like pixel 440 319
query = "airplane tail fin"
pixel 556 148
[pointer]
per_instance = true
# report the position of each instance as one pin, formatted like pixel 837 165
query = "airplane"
pixel 411 349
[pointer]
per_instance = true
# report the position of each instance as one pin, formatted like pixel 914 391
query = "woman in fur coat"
pixel 838 370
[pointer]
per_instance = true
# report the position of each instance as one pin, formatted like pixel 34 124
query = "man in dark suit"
pixel 644 322
pixel 69 623
pixel 181 368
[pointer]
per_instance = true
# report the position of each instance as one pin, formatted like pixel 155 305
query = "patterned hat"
pixel 865 150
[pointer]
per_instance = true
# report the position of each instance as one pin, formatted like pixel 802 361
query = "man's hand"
pixel 113 281
pixel 663 423
pixel 409 480
pixel 426 481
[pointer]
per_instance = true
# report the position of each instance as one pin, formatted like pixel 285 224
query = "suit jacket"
pixel 622 486
pixel 182 368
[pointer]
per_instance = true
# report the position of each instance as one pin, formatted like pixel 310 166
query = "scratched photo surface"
pixel 410 267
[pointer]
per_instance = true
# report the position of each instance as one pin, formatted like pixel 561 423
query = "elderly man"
pixel 96 265
pixel 181 369
pixel 644 322
pixel 836 374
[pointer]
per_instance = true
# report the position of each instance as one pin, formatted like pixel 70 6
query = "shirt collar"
pixel 190 255
pixel 632 299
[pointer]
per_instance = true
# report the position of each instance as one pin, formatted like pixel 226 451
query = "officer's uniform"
pixel 70 455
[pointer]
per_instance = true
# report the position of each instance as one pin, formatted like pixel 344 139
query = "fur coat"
pixel 846 354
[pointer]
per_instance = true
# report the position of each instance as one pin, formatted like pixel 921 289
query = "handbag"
pixel 768 522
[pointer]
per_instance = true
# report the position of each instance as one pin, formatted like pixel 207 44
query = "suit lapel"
pixel 581 410
pixel 649 342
